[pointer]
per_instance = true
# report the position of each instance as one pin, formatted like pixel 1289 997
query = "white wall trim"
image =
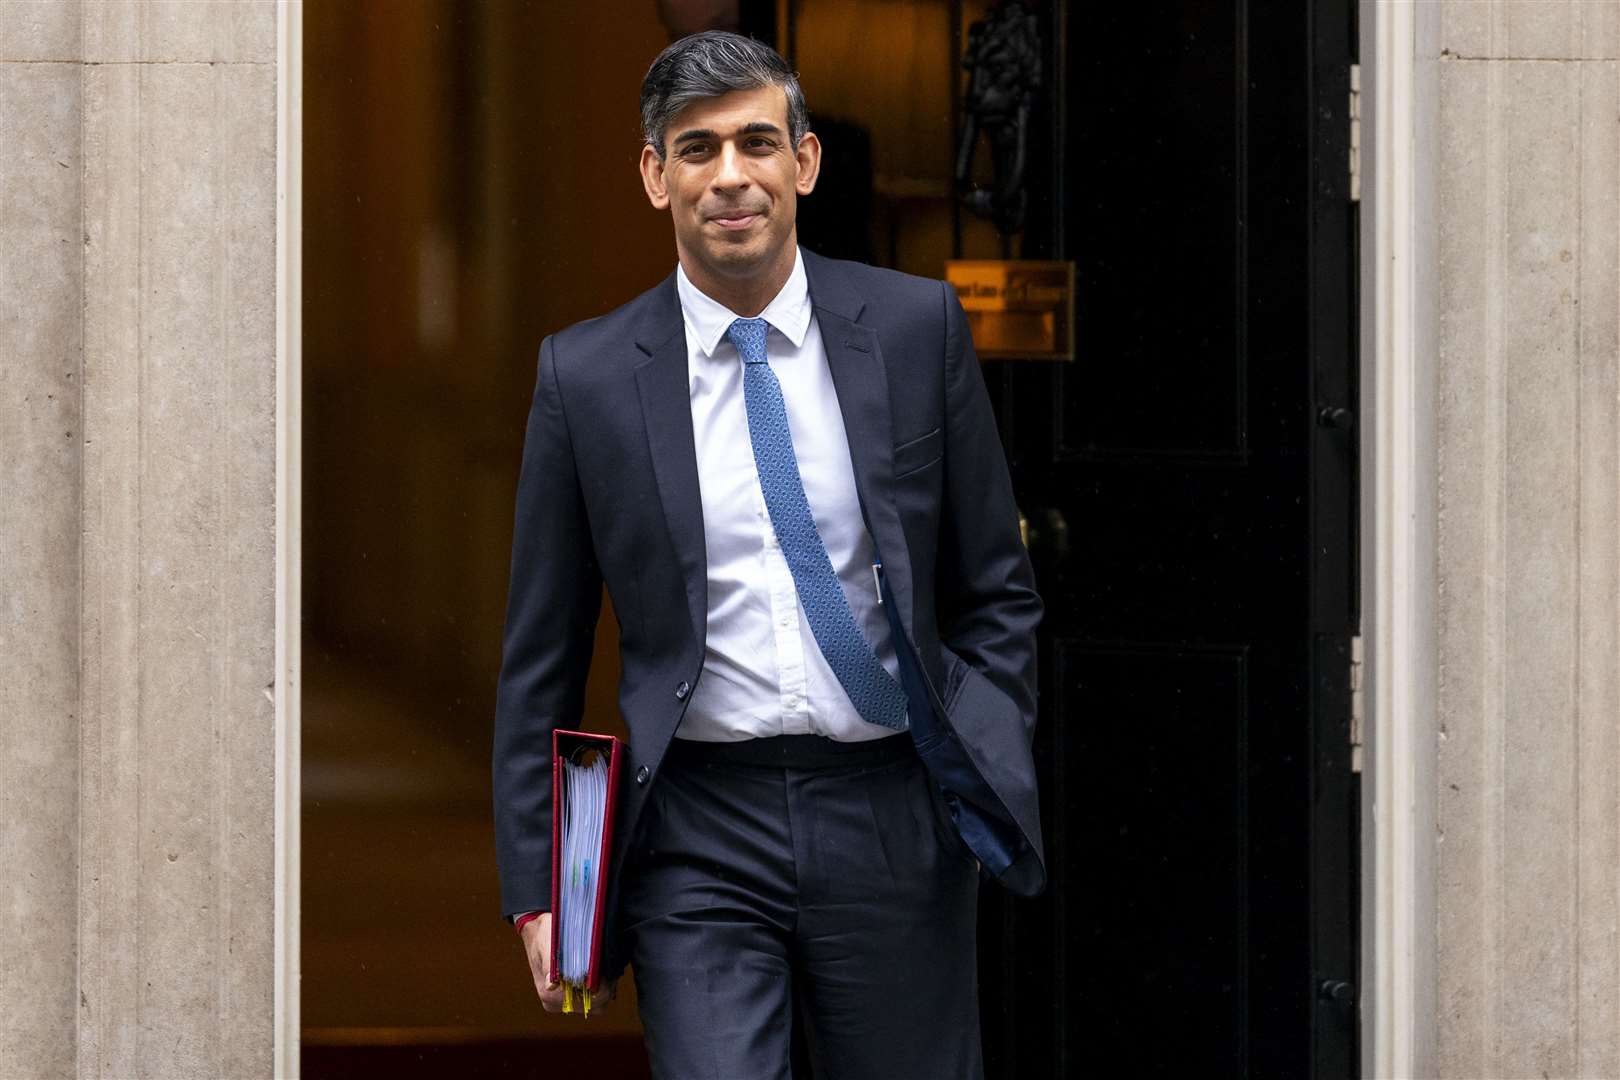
pixel 1394 785
pixel 1399 573
pixel 289 497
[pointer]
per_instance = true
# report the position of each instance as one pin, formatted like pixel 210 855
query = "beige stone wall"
pixel 137 437
pixel 1526 172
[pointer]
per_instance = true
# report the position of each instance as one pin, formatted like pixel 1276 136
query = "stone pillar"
pixel 137 438
pixel 1526 849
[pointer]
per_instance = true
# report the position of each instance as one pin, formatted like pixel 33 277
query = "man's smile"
pixel 735 219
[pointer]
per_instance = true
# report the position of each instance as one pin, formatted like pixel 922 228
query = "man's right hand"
pixel 537 943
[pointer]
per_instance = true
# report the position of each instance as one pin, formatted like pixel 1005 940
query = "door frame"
pixel 289 549
pixel 1399 102
pixel 1399 99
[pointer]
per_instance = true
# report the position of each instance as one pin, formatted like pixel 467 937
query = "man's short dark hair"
pixel 707 65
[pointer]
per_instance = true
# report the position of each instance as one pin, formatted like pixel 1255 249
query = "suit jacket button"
pixel 681 690
pixel 642 774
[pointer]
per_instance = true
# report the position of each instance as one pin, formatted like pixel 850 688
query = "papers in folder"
pixel 584 788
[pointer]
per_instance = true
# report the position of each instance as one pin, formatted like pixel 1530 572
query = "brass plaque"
pixel 1018 309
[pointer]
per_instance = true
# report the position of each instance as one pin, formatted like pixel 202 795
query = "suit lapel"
pixel 861 381
pixel 666 409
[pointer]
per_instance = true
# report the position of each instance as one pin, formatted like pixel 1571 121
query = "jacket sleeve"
pixel 552 606
pixel 987 604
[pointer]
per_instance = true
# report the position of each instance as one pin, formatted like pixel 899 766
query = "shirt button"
pixel 681 690
pixel 642 774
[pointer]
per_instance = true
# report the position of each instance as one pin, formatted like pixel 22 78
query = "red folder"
pixel 564 746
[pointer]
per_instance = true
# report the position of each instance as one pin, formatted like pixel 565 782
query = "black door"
pixel 1189 482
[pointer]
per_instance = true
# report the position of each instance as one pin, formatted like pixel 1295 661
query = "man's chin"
pixel 739 256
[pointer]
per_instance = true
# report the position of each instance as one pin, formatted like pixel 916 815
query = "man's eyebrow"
pixel 756 127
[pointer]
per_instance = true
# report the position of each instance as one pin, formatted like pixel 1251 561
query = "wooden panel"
pixel 1158 176
pixel 1151 822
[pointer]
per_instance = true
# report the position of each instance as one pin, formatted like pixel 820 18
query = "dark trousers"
pixel 828 881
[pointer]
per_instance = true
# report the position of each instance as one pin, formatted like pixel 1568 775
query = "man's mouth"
pixel 734 219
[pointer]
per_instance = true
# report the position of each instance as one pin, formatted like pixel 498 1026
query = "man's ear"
pixel 652 178
pixel 809 157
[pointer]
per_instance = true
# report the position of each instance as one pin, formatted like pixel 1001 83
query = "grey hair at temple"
pixel 708 65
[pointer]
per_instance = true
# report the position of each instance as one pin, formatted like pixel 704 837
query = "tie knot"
pixel 749 337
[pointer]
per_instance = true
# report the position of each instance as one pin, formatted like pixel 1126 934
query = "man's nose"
pixel 729 174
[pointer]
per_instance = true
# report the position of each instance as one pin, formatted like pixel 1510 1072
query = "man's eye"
pixel 761 143
pixel 694 149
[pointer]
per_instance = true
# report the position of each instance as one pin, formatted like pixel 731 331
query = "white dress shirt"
pixel 763 673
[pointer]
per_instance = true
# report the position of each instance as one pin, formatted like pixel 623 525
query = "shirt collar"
pixel 708 319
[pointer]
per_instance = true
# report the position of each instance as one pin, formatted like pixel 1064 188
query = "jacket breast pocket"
pixel 915 455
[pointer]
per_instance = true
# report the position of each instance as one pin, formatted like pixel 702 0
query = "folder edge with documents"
pixel 563 745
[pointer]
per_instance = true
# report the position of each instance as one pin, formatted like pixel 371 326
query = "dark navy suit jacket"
pixel 608 493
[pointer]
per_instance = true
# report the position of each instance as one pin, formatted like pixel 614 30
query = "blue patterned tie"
pixel 870 687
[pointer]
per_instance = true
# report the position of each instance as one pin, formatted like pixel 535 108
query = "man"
pixel 786 471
